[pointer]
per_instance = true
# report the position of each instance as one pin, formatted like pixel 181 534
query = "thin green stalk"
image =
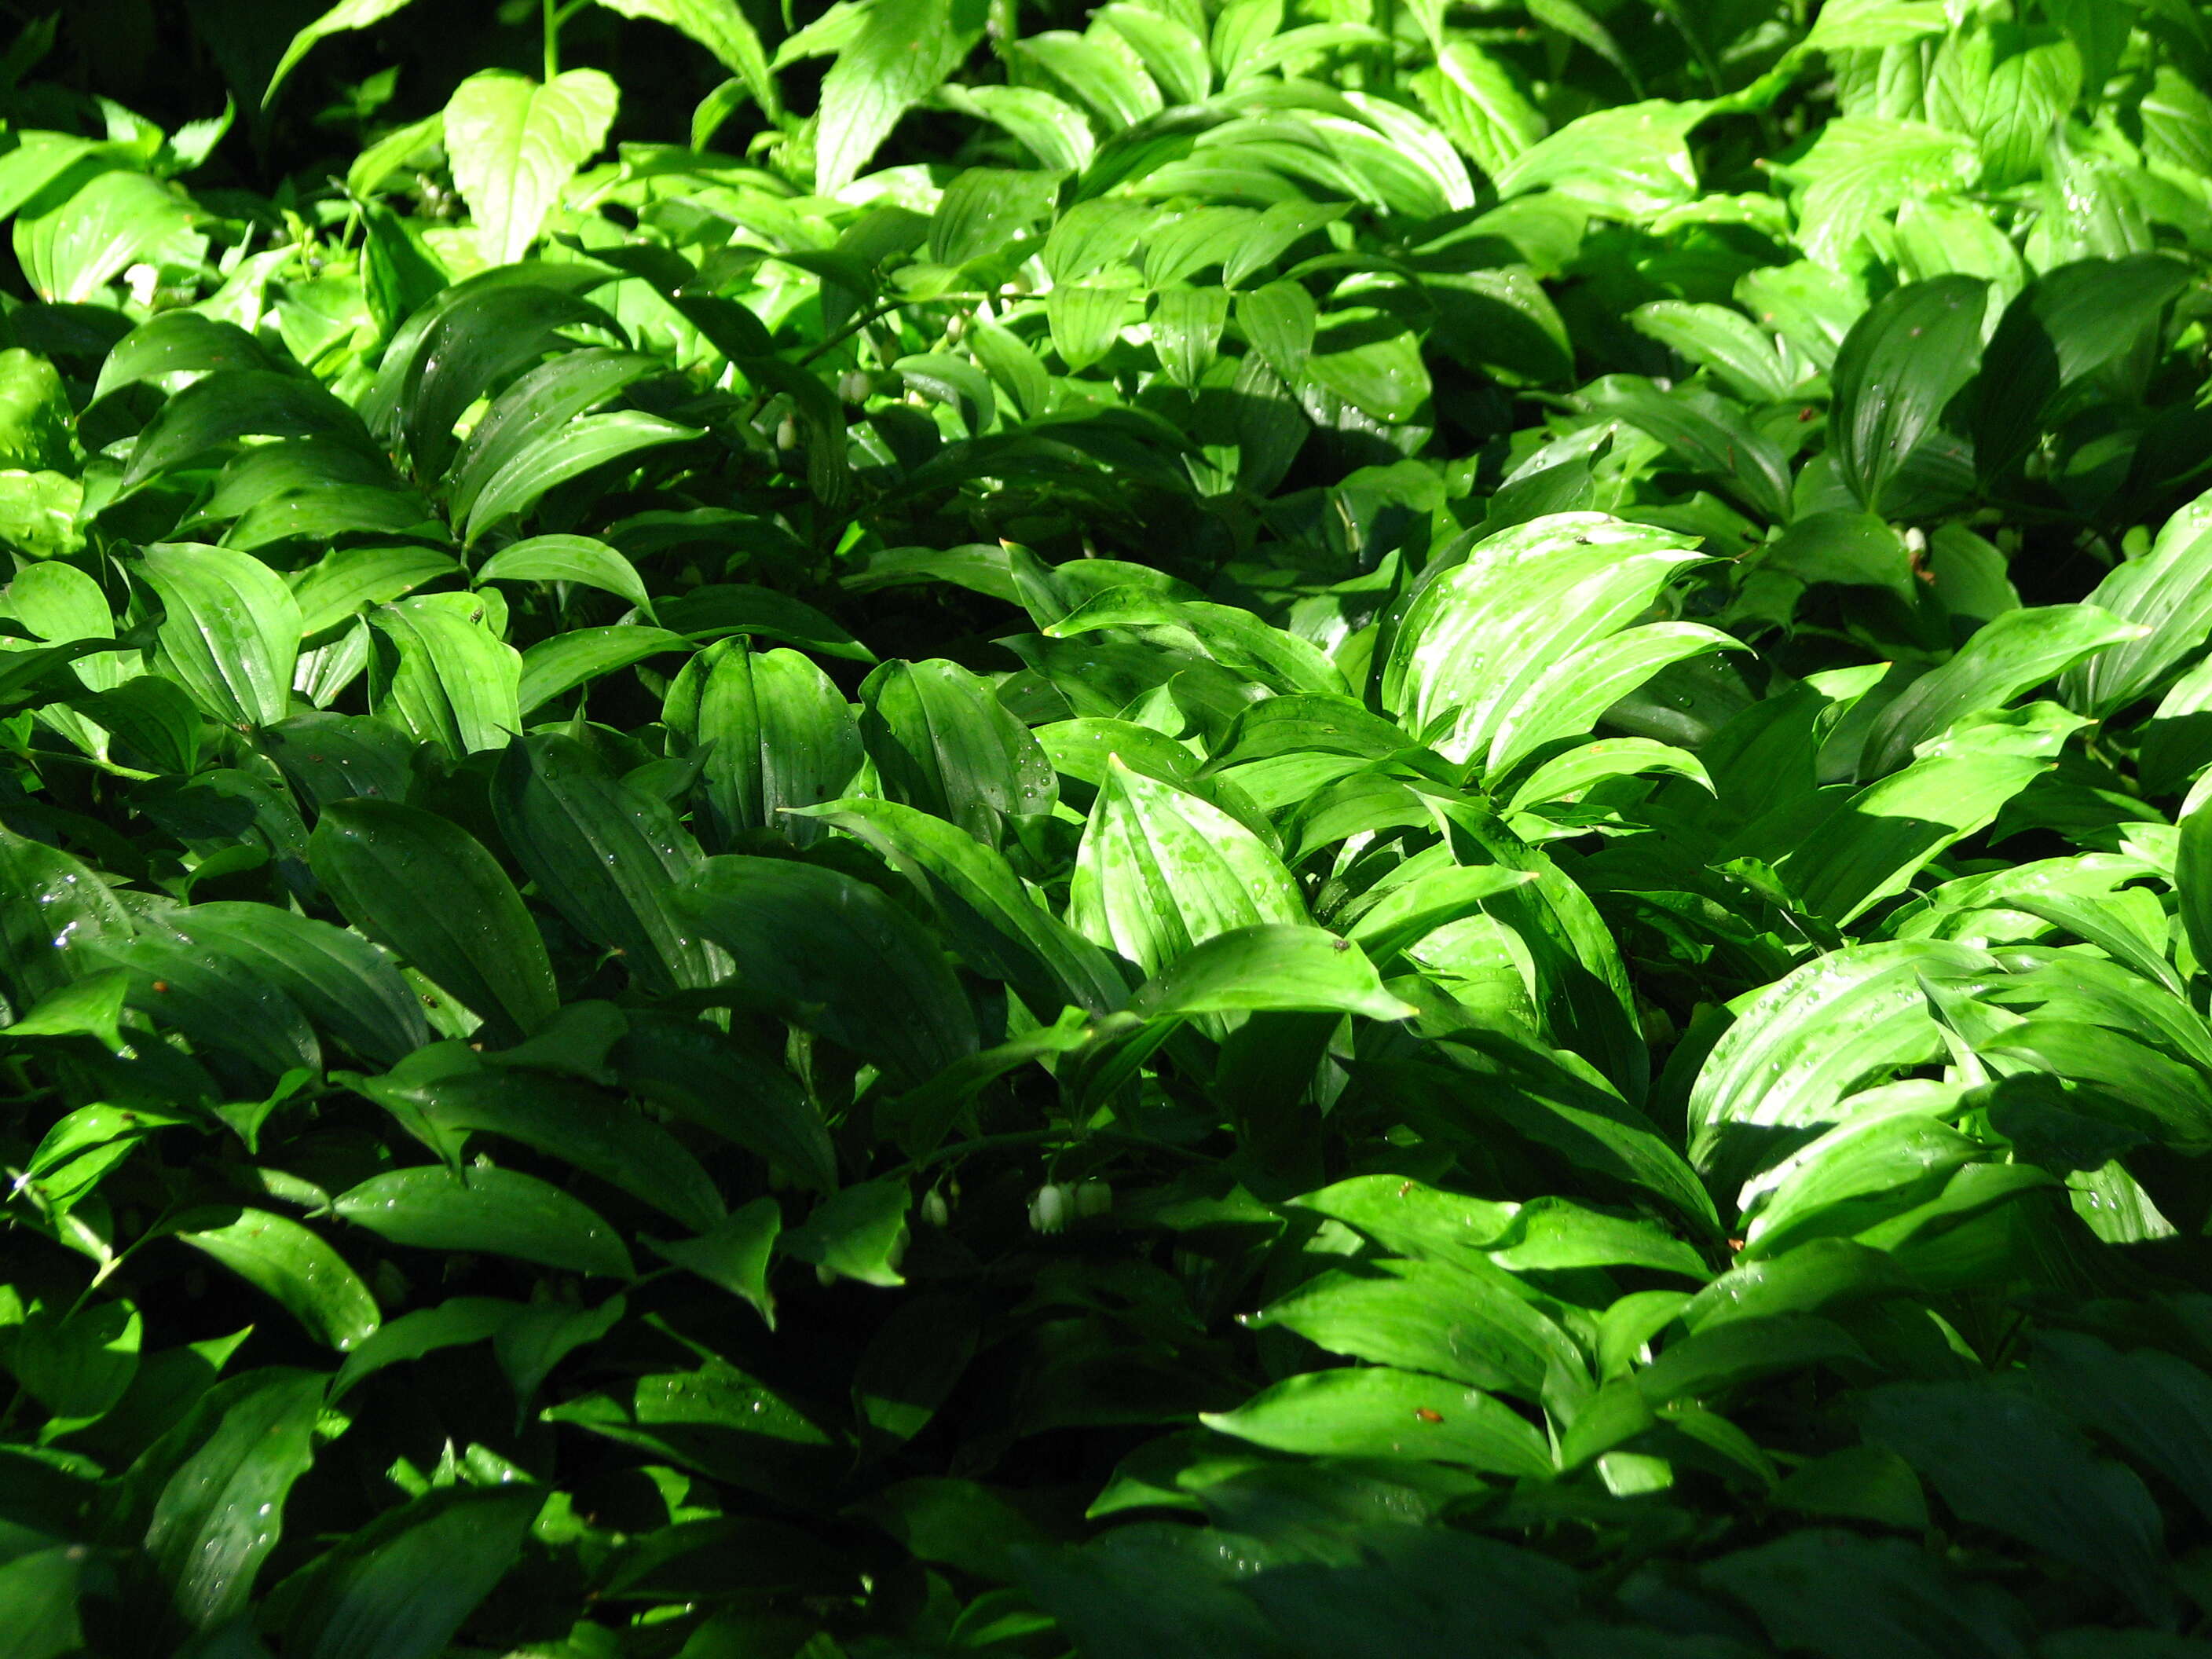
pixel 552 25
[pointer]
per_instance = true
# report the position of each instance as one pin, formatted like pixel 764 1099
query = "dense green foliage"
pixel 1282 830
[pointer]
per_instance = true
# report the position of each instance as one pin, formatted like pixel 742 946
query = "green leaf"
pixel 867 975
pixel 1373 1412
pixel 401 1586
pixel 223 1476
pixel 2067 324
pixel 70 251
pixel 487 1211
pixel 39 1597
pixel 605 854
pixel 347 580
pixel 776 732
pixel 425 888
pixel 723 28
pixel 346 14
pixel 1275 966
pixel 77 1366
pixel 1427 1317
pixel 60 909
pixel 555 666
pixel 1546 1234
pixel 1368 358
pixel 1799 1048
pixel 2151 1405
pixel 1000 930
pixel 907 47
pixel 2003 1460
pixel 515 144
pixel 1868 846
pixel 291 1265
pixel 2167 590
pixel 1728 1355
pixel 737 608
pixel 941 741
pixel 1898 365
pixel 230 630
pixel 733 1253
pixel 562 1118
pixel 568 559
pixel 1826 1591
pixel 1475 99
pixel 454 1323
pixel 339 980
pixel 1634 160
pixel 553 457
pixel 540 402
pixel 2012 654
pixel 1160 871
pixel 860 1233
pixel 221 408
pixel 1526 639
pixel 1722 340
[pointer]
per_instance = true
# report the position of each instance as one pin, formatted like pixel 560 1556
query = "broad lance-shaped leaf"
pixel 346 14
pixel 338 979
pixel 515 143
pixel 723 28
pixel 1797 1048
pixel 605 855
pixel 1474 1327
pixel 941 740
pixel 1371 1411
pixel 441 673
pixel 561 1117
pixel 1160 871
pixel 1529 638
pixel 230 630
pixel 292 1264
pixel 2169 590
pixel 1230 635
pixel 211 1493
pixel 568 559
pixel 906 48
pixel 1869 845
pixel 489 1212
pixel 423 887
pixel 840 956
pixel 2012 653
pixel 776 734
pixel 1896 370
pixel 1279 967
pixel 401 1586
pixel 998 928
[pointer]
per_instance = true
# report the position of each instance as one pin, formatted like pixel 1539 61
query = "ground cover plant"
pixel 1294 829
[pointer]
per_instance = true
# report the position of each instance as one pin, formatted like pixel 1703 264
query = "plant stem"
pixel 552 41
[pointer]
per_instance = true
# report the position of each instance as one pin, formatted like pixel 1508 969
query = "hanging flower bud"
pixel 855 384
pixel 1048 1209
pixel 934 1210
pixel 1093 1198
pixel 787 434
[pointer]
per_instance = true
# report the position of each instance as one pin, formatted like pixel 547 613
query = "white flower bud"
pixel 934 1210
pixel 1048 1209
pixel 1916 541
pixel 786 434
pixel 855 384
pixel 1093 1198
